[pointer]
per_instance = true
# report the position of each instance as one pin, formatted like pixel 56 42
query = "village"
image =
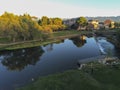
pixel 92 24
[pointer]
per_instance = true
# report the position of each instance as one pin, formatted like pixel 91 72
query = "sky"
pixel 61 8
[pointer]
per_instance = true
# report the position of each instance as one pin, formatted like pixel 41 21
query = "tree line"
pixel 51 24
pixel 19 28
pixel 23 27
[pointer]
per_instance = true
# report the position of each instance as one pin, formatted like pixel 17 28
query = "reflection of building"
pixel 78 41
pixel 93 24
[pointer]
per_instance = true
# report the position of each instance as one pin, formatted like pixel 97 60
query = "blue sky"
pixel 92 3
pixel 62 8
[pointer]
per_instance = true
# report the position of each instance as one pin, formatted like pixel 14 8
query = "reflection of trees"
pixel 18 59
pixel 59 41
pixel 49 47
pixel 78 41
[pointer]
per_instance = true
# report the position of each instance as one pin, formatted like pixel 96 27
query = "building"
pixel 109 24
pixel 93 24
pixel 69 22
pixel 35 18
pixel 101 25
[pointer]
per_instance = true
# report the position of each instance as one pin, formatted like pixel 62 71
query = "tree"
pixel 44 20
pixel 82 21
pixel 10 26
pixel 18 28
pixel 51 24
pixel 18 60
pixel 117 24
pixel 39 22
pixel 57 21
pixel 50 21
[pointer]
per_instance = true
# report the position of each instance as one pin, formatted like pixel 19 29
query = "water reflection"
pixel 78 41
pixel 49 47
pixel 48 59
pixel 60 41
pixel 105 46
pixel 19 59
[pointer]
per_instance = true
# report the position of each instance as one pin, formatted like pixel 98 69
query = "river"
pixel 20 67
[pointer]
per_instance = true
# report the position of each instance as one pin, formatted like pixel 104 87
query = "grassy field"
pixel 26 45
pixel 101 78
pixel 70 32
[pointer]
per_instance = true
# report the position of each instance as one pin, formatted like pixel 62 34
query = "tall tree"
pixel 16 28
pixel 82 21
pixel 44 20
pixel 57 21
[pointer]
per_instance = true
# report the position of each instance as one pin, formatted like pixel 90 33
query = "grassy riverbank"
pixel 102 78
pixel 54 37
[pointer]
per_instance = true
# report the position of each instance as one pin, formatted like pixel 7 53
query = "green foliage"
pixel 57 21
pixel 44 20
pixel 102 78
pixel 19 28
pixel 51 24
pixel 82 21
pixel 117 24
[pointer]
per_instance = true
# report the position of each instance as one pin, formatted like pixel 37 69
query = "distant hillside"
pixel 101 19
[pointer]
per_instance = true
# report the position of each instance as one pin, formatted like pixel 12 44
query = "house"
pixel 69 22
pixel 94 24
pixel 34 18
pixel 112 24
pixel 81 28
pixel 101 25
pixel 90 26
pixel 109 24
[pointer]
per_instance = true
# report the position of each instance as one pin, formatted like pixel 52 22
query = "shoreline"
pixel 33 43
pixel 89 75
pixel 56 36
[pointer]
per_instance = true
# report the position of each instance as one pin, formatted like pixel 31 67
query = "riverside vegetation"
pixel 14 28
pixel 24 31
pixel 17 30
pixel 103 77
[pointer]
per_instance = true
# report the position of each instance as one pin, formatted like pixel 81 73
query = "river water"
pixel 20 67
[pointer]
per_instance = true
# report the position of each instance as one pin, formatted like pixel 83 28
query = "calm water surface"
pixel 19 67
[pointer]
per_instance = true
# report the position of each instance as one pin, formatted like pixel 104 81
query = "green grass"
pixel 4 40
pixel 70 32
pixel 102 78
pixel 63 33
pixel 26 45
pixel 54 37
